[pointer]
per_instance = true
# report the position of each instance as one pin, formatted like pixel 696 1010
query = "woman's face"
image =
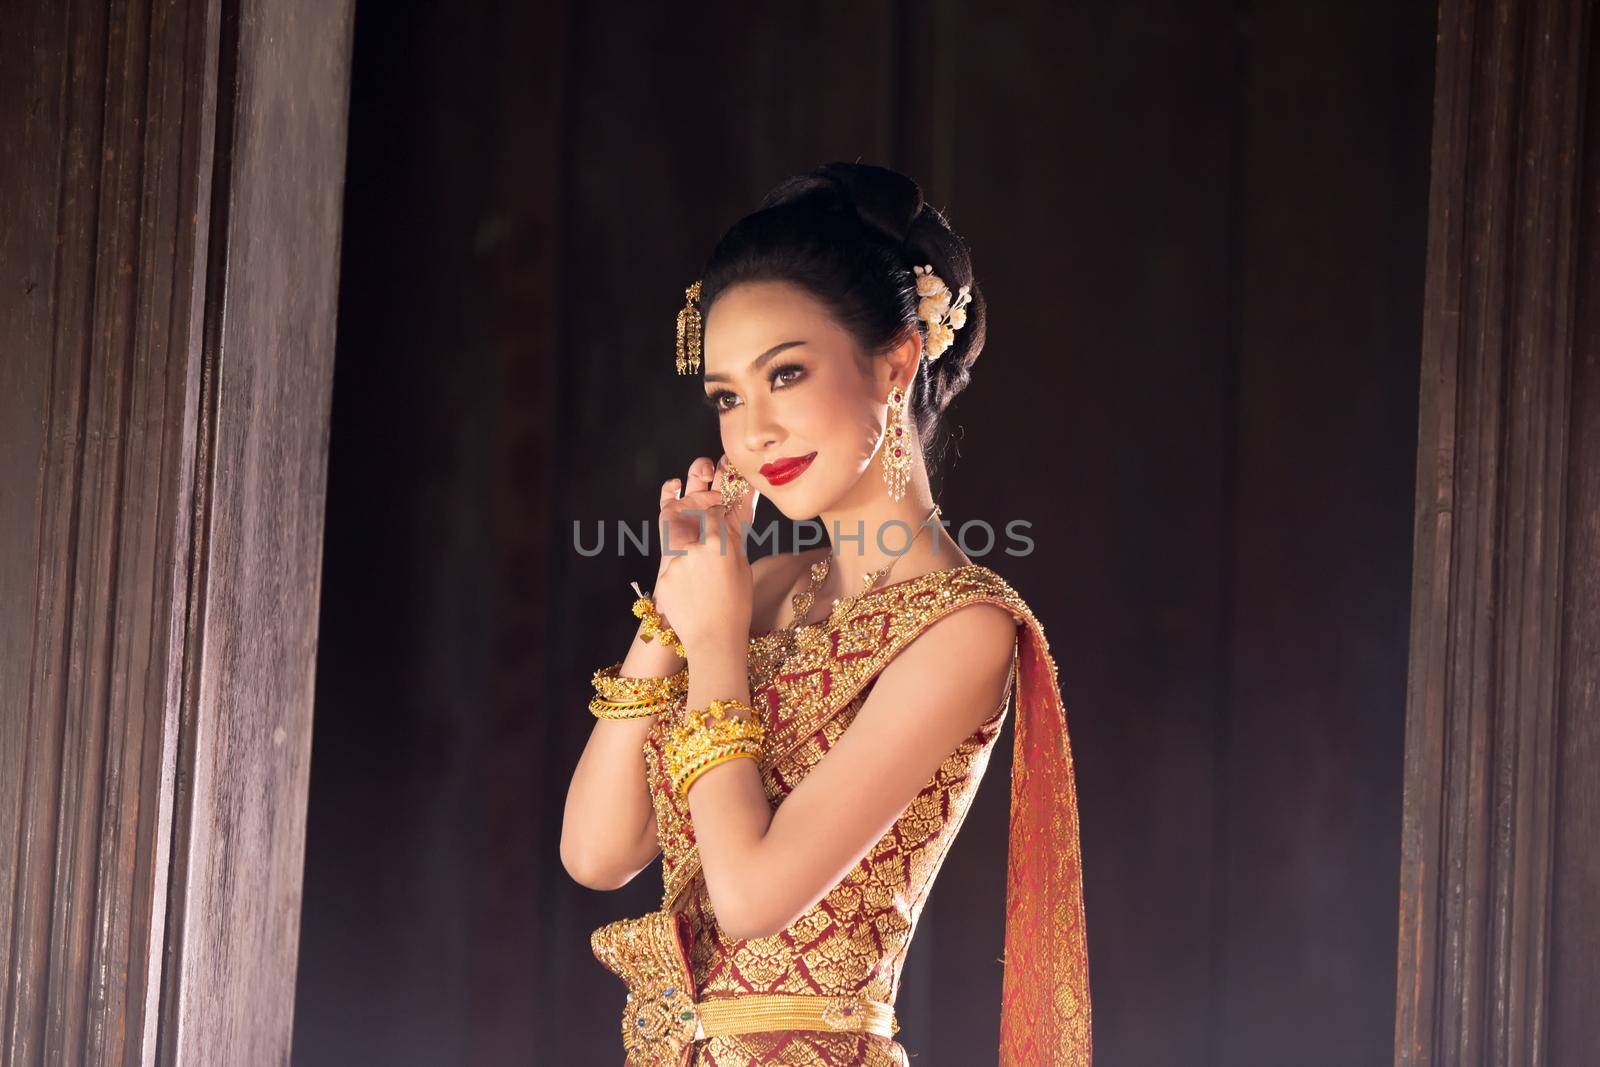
pixel 800 411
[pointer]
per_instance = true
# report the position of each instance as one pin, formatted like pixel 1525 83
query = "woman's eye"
pixel 781 378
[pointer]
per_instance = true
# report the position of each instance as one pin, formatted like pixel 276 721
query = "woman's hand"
pixel 673 529
pixel 704 586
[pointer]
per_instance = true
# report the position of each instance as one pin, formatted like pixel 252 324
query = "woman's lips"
pixel 786 470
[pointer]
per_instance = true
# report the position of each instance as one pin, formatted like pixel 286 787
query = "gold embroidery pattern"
pixel 829 670
pixel 800 1048
pixel 855 939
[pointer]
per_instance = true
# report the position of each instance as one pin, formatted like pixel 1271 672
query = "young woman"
pixel 800 737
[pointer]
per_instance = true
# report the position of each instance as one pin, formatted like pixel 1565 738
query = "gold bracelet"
pixel 618 696
pixel 717 710
pixel 644 608
pixel 602 708
pixel 611 684
pixel 701 738
pixel 730 754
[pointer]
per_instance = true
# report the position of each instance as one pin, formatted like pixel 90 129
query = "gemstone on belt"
pixel 840 1012
pixel 658 1022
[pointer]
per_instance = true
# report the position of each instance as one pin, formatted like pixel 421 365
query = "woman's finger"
pixel 686 506
pixel 687 518
pixel 700 474
pixel 669 490
pixel 702 499
pixel 722 527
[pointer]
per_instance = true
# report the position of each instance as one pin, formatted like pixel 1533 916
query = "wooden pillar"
pixel 1500 861
pixel 172 178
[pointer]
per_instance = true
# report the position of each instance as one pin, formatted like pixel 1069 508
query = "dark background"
pixel 1200 229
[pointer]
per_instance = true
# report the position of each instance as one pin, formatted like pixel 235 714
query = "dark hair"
pixel 849 234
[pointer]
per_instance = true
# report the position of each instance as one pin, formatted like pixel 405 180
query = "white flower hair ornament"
pixel 935 307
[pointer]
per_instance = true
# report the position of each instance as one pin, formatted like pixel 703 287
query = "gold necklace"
pixel 785 641
pixel 803 600
pixel 871 580
pixel 769 650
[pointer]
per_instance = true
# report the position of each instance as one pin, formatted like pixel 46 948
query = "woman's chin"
pixel 794 506
pixel 787 509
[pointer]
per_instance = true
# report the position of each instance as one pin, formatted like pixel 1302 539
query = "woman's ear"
pixel 901 360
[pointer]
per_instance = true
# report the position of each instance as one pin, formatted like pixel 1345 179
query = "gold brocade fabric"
pixel 853 942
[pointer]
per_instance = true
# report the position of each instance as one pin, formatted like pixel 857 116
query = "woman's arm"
pixel 608 829
pixel 765 869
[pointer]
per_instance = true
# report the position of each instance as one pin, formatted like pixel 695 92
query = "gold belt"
pixel 662 1018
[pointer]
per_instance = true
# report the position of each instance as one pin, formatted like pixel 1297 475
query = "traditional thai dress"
pixel 822 990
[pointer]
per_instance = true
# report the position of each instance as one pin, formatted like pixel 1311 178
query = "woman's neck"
pixel 899 536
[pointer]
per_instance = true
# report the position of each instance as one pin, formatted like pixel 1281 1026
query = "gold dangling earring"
pixel 896 462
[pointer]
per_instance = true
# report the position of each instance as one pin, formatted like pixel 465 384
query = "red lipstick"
pixel 786 470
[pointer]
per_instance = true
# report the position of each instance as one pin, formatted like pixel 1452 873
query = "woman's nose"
pixel 761 428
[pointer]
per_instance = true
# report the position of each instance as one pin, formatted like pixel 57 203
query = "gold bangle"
pixel 602 708
pixel 731 754
pixel 705 736
pixel 611 684
pixel 685 763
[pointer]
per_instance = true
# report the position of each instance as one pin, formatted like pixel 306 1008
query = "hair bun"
pixel 884 200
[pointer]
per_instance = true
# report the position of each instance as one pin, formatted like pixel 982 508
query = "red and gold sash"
pixel 1044 1000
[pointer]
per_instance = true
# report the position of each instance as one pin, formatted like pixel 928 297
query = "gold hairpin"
pixel 689 332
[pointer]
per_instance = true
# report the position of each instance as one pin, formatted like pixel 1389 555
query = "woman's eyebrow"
pixel 759 362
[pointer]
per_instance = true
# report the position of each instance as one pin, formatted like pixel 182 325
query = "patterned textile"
pixel 810 685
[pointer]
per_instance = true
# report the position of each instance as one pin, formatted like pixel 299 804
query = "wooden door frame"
pixel 167 379
pixel 1495 964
